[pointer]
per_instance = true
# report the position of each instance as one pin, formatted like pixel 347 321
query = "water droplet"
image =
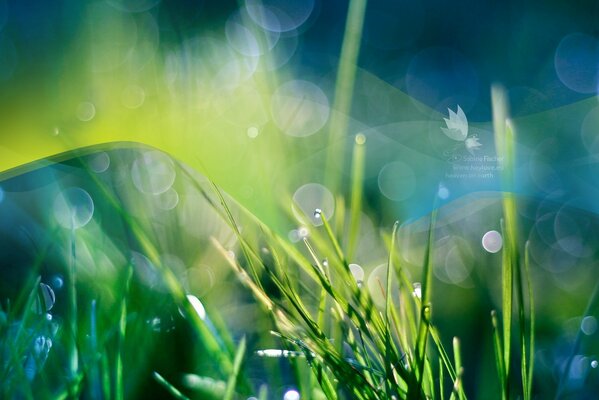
pixel 588 326
pixel 311 197
pixel 73 208
pixel 417 290
pixel 86 111
pixel 197 306
pixel 325 262
pixel 492 241
pixel 360 138
pixel 99 162
pixel 47 295
pixel 303 232
pixel 594 364
pixel 153 172
pixel 253 132
pixel 299 108
pixel 291 395
pixel 317 213
pixel 56 131
pixel 57 282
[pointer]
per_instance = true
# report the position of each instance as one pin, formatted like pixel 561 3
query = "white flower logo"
pixel 457 129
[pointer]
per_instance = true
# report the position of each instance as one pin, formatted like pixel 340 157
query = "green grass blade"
pixel 344 87
pixel 230 391
pixel 531 313
pixel 169 387
pixel 388 344
pixel 458 387
pixel 356 193
pixel 119 381
pixel 499 355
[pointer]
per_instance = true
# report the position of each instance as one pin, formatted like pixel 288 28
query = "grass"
pixel 326 327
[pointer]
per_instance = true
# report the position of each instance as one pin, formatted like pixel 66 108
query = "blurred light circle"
pixel 133 6
pixel 454 259
pixel 441 77
pixel 291 395
pixel 253 132
pixel 279 15
pixel 443 192
pixel 99 162
pixel 113 36
pixel 212 64
pixel 456 267
pixel 133 96
pixel 167 200
pixel 200 279
pixel 588 326
pixel 299 108
pixel 544 176
pixel 358 272
pixel 377 284
pixel 153 172
pixel 283 51
pixel 86 111
pixel 568 233
pixel 397 181
pixel 145 270
pixel 73 208
pixel 243 40
pixel 310 197
pixel 589 131
pixel 577 62
pixel 492 241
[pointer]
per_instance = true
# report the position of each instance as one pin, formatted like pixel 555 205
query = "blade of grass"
pixel 119 383
pixel 230 391
pixel 169 387
pixel 499 355
pixel 458 387
pixel 344 87
pixel 388 367
pixel 356 193
pixel 531 313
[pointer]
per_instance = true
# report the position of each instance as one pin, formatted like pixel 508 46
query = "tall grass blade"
pixel 230 391
pixel 531 313
pixel 344 87
pixel 356 193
